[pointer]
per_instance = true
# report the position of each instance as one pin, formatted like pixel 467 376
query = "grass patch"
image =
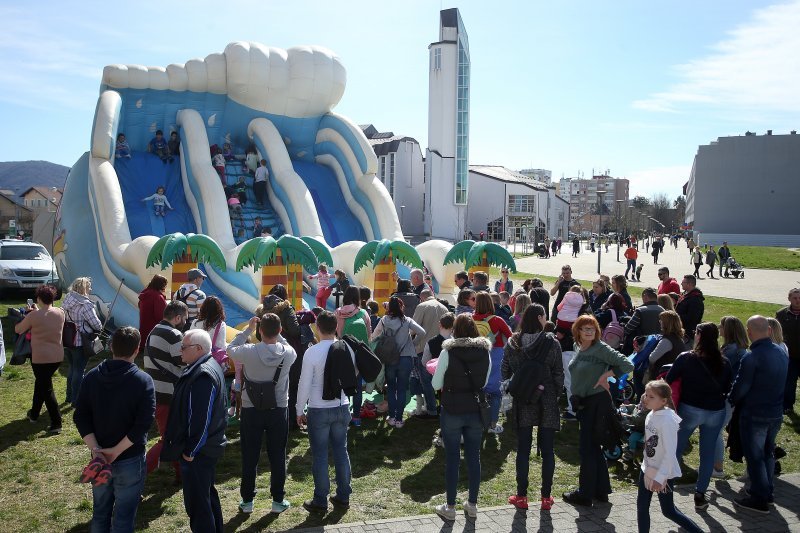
pixel 395 472
pixel 767 257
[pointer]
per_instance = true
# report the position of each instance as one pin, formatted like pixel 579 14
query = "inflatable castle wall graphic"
pixel 322 184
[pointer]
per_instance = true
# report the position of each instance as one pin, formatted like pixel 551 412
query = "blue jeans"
pixel 631 267
pixel 274 425
pixel 719 451
pixel 667 502
pixel 494 399
pixel 200 496
pixel 758 444
pixel 77 364
pixel 357 399
pixel 453 428
pixel 710 423
pixel 397 386
pixel 160 210
pixel 327 428
pixel 119 497
pixel 425 382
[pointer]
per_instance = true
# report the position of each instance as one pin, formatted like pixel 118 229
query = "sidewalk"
pixel 619 515
pixel 770 286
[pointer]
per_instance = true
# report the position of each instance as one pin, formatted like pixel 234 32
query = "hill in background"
pixel 18 176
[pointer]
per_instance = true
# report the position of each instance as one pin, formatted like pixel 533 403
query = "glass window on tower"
pixel 437 58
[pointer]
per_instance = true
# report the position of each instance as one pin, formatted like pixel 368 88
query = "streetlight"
pixel 619 235
pixel 599 226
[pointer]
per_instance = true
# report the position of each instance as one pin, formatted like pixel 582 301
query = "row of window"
pixel 386 171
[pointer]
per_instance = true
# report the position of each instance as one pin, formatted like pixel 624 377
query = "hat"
pixel 195 273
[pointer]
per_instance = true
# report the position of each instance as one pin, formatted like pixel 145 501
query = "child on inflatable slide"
pixel 160 202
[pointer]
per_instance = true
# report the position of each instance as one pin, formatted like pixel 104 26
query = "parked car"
pixel 24 266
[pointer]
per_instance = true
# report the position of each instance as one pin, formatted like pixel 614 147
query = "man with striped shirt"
pixel 190 293
pixel 162 360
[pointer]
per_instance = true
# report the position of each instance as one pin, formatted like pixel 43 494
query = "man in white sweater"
pixel 327 421
pixel 427 315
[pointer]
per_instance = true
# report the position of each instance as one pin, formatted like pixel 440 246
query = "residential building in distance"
pixel 583 197
pixel 447 156
pixel 14 218
pixel 539 174
pixel 744 190
pixel 402 171
pixel 40 199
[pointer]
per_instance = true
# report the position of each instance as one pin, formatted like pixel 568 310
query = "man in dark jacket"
pixel 462 281
pixel 789 318
pixel 758 394
pixel 724 253
pixel 196 430
pixel 645 317
pixel 690 306
pixel 114 410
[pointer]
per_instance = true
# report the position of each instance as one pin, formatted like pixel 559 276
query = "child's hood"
pixel 666 415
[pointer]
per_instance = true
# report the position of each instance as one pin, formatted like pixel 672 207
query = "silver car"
pixel 25 266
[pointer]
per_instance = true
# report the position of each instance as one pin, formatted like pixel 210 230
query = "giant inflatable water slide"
pixel 322 180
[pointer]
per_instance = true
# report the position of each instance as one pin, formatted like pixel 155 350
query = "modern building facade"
pixel 402 171
pixel 513 207
pixel 447 155
pixel 745 189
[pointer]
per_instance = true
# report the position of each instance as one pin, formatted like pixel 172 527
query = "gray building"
pixel 744 190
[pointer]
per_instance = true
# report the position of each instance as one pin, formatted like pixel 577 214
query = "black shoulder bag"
pixel 262 393
pixel 480 397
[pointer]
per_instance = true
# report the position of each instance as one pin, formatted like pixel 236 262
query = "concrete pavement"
pixel 770 286
pixel 619 515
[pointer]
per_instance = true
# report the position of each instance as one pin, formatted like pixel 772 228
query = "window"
pixel 390 181
pixel 437 58
pixel 521 203
pixel 462 122
pixel 494 230
pixel 382 169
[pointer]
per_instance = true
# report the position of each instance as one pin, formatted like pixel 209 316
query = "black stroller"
pixel 733 268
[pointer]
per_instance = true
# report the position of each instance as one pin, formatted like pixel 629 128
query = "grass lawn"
pixel 767 257
pixel 395 472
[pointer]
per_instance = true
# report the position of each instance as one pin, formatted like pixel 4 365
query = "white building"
pixel 513 206
pixel 447 155
pixel 402 170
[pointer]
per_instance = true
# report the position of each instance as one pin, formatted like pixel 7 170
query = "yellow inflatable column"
pixel 383 282
pixel 273 274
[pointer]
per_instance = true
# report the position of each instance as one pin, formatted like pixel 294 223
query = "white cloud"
pixel 668 180
pixel 757 68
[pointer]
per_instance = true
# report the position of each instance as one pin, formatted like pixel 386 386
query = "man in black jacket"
pixel 690 306
pixel 645 317
pixel 789 317
pixel 114 410
pixel 196 430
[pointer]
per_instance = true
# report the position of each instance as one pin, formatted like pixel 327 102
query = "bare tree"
pixel 661 209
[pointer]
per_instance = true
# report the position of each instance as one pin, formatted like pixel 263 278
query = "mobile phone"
pixel 30 302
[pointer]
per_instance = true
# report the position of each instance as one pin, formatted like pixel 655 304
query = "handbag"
pixel 22 349
pixel 480 398
pixel 69 335
pixel 91 343
pixel 262 393
pixel 220 355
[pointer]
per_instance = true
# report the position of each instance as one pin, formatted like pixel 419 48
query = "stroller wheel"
pixel 627 392
pixel 613 454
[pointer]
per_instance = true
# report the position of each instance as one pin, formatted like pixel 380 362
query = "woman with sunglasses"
pixel 465 303
pixel 504 284
pixel 705 377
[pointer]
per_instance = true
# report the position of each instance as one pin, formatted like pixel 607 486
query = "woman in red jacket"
pixel 152 302
pixel 499 333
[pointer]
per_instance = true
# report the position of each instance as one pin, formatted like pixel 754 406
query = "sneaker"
pixel 54 430
pixel 520 502
pixel 247 507
pixel 356 422
pixel 437 441
pixel 398 424
pixel 569 417
pixel 751 505
pixel 103 476
pixel 471 509
pixel 547 503
pixel 576 498
pixel 700 501
pixel 498 429
pixel 91 470
pixel 446 512
pixel 718 474
pixel 312 506
pixel 391 421
pixel 31 419
pixel 338 502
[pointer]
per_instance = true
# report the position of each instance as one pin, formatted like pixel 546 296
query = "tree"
pixel 680 206
pixel 384 256
pixel 184 252
pixel 640 202
pixel 661 209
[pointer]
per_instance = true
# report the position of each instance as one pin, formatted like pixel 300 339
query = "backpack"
pixel 527 383
pixel 613 333
pixel 183 297
pixel 386 347
pixel 69 335
pixel 485 329
pixel 367 363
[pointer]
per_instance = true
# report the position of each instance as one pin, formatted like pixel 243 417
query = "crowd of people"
pixel 307 370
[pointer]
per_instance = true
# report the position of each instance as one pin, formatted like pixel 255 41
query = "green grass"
pixel 767 257
pixel 395 472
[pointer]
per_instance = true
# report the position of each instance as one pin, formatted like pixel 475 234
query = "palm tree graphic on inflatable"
pixel 184 252
pixel 384 256
pixel 280 261
pixel 479 256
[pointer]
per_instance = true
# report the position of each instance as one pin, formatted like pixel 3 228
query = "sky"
pixel 575 87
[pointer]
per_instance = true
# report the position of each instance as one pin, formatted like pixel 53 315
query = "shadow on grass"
pixel 20 430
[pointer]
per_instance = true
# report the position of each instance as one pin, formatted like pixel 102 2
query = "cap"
pixel 195 273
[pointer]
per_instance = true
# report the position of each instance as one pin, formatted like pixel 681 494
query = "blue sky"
pixel 629 86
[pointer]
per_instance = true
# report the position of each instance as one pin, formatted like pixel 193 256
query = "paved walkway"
pixel 619 515
pixel 758 285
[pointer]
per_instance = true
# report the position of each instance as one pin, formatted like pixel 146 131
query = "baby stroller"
pixel 541 249
pixel 735 268
pixel 632 418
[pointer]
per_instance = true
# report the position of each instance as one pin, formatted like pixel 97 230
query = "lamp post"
pixel 599 226
pixel 619 234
